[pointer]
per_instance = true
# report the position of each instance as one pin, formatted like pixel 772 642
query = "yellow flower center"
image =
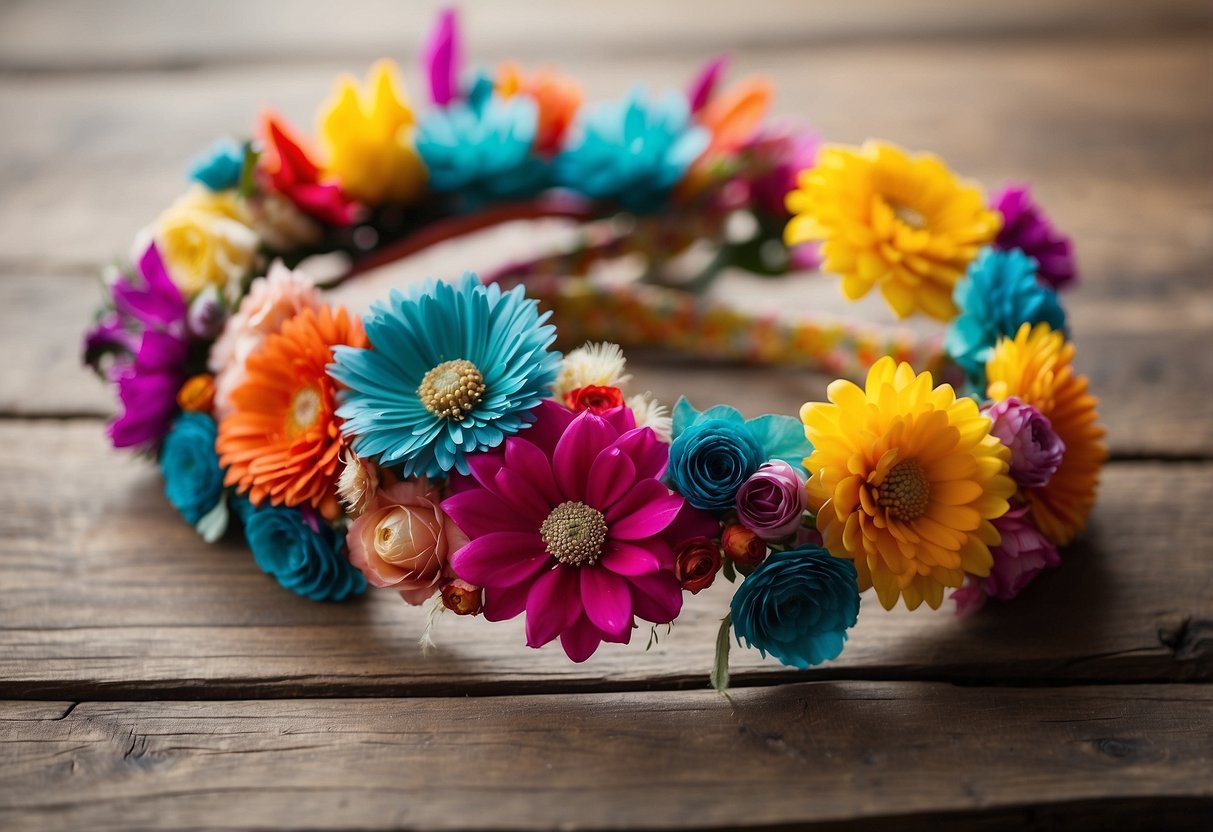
pixel 305 410
pixel 910 216
pixel 906 491
pixel 452 389
pixel 574 533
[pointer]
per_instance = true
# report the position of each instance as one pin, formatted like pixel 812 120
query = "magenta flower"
pixel 568 521
pixel 1036 449
pixel 1022 554
pixel 705 83
pixel 144 339
pixel 1025 227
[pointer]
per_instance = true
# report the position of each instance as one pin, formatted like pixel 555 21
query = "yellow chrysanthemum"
pixel 368 139
pixel 1034 366
pixel 206 239
pixel 902 223
pixel 905 479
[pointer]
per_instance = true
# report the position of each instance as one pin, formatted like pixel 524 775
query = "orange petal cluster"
pixel 281 440
pixel 1035 366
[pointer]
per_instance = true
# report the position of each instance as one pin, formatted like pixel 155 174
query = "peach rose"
pixel 403 540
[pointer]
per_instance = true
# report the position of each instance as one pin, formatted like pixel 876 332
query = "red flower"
pixel 742 545
pixel 292 173
pixel 593 398
pixel 697 564
pixel 462 598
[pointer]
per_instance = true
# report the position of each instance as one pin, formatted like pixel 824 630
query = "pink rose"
pixel 1022 555
pixel 1036 449
pixel 403 540
pixel 772 501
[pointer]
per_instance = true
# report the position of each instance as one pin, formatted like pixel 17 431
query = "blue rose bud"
pixel 193 480
pixel 302 552
pixel 797 606
pixel 711 459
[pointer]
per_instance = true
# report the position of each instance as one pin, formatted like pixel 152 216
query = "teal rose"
pixel 302 552
pixel 797 606
pixel 193 480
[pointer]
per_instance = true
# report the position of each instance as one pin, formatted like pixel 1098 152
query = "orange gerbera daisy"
pixel 281 440
pixel 905 479
pixel 1034 366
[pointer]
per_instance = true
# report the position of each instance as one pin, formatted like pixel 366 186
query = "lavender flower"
pixel 1036 449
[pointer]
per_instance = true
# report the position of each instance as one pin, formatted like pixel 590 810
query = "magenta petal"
pixel 611 475
pixel 607 599
pixel 552 605
pixel 442 59
pixel 479 512
pixel 500 559
pixel 704 84
pixel 521 493
pixel 575 452
pixel 502 603
pixel 656 597
pixel 691 522
pixel 621 419
pixel 527 459
pixel 624 558
pixel 647 509
pixel 580 640
pixel 484 467
pixel 551 421
pixel 648 453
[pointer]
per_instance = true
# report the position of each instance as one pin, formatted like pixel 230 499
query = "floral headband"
pixel 440 447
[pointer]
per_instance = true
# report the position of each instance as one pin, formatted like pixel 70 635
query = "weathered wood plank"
pixel 879 755
pixel 1114 135
pixel 109 594
pixel 74 35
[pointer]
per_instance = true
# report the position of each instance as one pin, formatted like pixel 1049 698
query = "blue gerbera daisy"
pixel 481 146
pixel 633 150
pixel 999 294
pixel 452 369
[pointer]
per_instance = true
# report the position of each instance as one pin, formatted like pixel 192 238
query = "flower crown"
pixel 439 446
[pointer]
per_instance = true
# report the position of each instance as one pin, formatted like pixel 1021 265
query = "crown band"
pixel 440 447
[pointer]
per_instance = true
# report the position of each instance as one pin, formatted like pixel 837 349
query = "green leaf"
pixel 248 183
pixel 729 571
pixel 213 524
pixel 720 669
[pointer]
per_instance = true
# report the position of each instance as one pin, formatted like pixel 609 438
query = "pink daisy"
pixel 570 522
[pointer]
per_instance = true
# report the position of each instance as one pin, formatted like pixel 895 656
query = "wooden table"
pixel 151 681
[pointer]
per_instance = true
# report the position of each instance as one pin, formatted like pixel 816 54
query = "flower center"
pixel 910 216
pixel 452 389
pixel 906 491
pixel 574 533
pixel 305 410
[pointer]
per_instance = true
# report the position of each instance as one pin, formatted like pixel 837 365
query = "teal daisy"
pixel 453 369
pixel 998 294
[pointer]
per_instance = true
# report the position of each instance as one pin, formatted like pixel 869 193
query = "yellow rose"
pixel 205 239
pixel 368 139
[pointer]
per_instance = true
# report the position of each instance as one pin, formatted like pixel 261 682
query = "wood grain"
pixel 109 594
pixel 879 755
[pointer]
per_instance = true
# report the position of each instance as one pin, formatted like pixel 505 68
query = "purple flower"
pixel 772 501
pixel 1022 554
pixel 1036 449
pixel 141 347
pixel 1025 227
pixel 705 83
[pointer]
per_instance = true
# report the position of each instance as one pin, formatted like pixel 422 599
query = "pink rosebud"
pixel 1022 555
pixel 403 540
pixel 772 501
pixel 1036 449
pixel 742 545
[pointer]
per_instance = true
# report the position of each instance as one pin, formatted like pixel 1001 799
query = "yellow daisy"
pixel 368 139
pixel 905 479
pixel 905 224
pixel 1034 366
